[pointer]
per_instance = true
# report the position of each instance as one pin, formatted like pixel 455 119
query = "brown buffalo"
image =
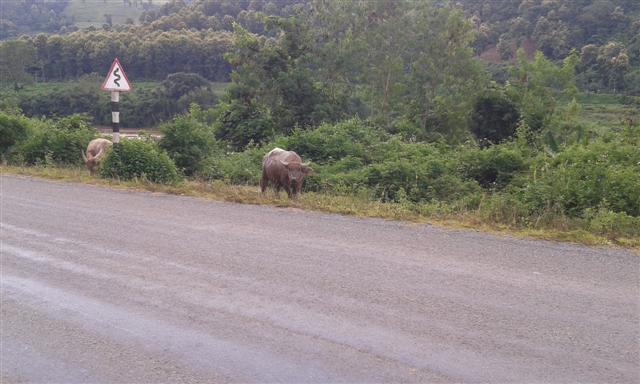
pixel 284 169
pixel 95 153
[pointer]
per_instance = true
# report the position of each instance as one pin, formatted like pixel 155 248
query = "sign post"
pixel 116 82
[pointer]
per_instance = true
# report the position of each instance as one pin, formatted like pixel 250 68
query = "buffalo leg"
pixel 263 182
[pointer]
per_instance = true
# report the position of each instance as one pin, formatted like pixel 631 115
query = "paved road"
pixel 100 285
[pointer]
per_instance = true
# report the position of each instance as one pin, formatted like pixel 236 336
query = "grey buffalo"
pixel 283 169
pixel 96 151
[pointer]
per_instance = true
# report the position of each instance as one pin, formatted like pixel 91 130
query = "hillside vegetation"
pixel 390 101
pixel 96 13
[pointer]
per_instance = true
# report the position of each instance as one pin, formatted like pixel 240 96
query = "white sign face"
pixel 116 80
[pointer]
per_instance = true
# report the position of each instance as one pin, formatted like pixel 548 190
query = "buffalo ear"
pixel 306 169
pixel 286 164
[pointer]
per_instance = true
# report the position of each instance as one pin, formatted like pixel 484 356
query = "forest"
pixel 519 113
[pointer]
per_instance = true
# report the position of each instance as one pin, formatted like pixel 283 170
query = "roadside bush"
pixel 493 167
pixel 507 208
pixel 186 141
pixel 418 180
pixel 12 129
pixel 60 142
pixel 600 174
pixel 243 168
pixel 345 176
pixel 139 159
pixel 606 222
pixel 423 172
pixel 331 142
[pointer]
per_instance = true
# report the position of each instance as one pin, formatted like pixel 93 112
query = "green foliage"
pixel 139 159
pixel 27 17
pixel 144 54
pixel 60 142
pixel 12 130
pixel 601 174
pixel 494 118
pixel 411 62
pixel 181 83
pixel 274 76
pixel 536 87
pixel 187 142
pixel 610 223
pixel 241 123
pixel 242 168
pixel 608 66
pixel 330 142
pixel 493 167
pixel 417 179
pixel 16 58
pixel 147 105
pixel 351 157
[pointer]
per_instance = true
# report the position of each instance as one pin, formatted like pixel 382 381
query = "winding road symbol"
pixel 118 77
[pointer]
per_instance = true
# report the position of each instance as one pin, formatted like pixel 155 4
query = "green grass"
pixel 607 111
pixel 91 12
pixel 345 205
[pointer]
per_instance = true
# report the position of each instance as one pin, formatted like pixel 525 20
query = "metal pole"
pixel 115 116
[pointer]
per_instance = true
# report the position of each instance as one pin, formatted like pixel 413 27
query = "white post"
pixel 115 116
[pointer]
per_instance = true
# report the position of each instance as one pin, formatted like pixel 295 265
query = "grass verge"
pixel 345 205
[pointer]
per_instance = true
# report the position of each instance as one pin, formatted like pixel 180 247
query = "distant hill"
pixel 554 27
pixel 605 33
pixel 18 17
pixel 27 17
pixel 96 13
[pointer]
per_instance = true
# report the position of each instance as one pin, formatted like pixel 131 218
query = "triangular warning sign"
pixel 116 80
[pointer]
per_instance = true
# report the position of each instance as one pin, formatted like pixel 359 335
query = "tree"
pixel 536 85
pixel 181 83
pixel 613 63
pixel 187 142
pixel 409 61
pixel 16 57
pixel 273 77
pixel 12 130
pixel 494 118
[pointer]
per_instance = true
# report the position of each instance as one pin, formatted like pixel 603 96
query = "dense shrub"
pixel 494 118
pixel 330 142
pixel 12 129
pixel 187 142
pixel 606 222
pixel 493 167
pixel 243 168
pixel 181 83
pixel 418 179
pixel 139 159
pixel 60 142
pixel 605 175
pixel 344 176
pixel 242 123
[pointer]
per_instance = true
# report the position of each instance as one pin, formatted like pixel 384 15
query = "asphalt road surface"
pixel 100 285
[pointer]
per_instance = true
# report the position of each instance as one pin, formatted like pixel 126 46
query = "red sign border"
pixel 116 61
